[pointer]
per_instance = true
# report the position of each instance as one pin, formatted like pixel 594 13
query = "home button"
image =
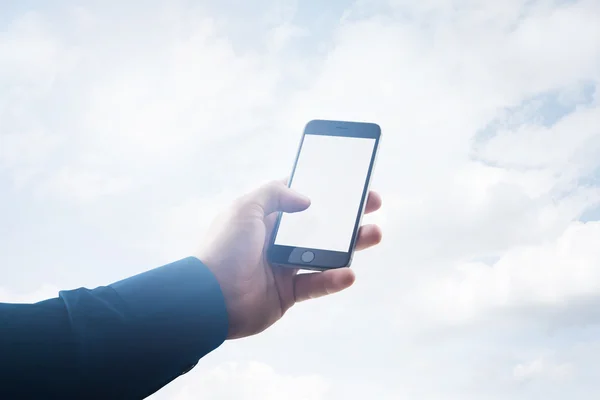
pixel 308 256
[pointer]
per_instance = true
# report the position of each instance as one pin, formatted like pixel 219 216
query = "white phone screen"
pixel 332 171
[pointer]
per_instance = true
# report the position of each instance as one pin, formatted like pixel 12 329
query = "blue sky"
pixel 125 128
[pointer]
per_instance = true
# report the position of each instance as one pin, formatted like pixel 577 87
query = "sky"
pixel 125 127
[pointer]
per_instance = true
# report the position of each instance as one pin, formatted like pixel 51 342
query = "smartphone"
pixel 333 167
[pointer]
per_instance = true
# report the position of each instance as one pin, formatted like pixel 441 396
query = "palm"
pixel 257 294
pixel 269 291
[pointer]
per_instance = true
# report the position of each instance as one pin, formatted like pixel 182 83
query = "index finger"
pixel 373 202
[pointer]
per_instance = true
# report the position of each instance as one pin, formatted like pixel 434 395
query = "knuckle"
pixel 243 206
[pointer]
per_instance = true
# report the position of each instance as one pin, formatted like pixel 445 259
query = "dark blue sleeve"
pixel 125 340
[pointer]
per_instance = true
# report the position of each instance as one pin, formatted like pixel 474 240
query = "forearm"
pixel 127 339
pixel 37 349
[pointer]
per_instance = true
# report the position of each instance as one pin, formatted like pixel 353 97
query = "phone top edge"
pixel 342 128
pixel 341 122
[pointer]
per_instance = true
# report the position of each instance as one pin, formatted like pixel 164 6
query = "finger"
pixel 271 219
pixel 284 280
pixel 368 236
pixel 373 202
pixel 312 286
pixel 276 196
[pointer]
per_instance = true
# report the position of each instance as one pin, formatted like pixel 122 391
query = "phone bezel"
pixel 290 256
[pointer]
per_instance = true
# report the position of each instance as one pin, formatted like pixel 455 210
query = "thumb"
pixel 313 285
pixel 276 196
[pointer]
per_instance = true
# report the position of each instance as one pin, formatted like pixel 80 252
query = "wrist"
pixel 226 294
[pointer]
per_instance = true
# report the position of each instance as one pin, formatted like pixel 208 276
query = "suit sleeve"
pixel 125 340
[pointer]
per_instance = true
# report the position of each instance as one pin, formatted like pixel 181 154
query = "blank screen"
pixel 332 171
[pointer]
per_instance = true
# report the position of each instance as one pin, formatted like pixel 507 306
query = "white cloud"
pixel 541 368
pixel 555 273
pixel 553 147
pixel 253 380
pixel 46 291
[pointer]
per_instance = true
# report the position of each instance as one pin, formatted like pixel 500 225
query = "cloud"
pixel 555 273
pixel 252 380
pixel 541 368
pixel 120 121
pixel 46 291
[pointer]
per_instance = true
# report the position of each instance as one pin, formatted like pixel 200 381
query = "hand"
pixel 256 294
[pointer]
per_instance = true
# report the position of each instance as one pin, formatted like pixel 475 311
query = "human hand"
pixel 257 294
